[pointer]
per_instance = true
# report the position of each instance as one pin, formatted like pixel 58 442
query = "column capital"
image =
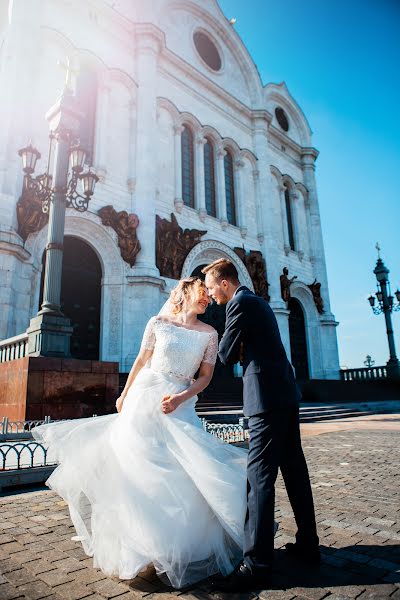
pixel 149 38
pixel 294 195
pixel 178 129
pixel 256 174
pixel 308 157
pixel 201 141
pixel 221 152
pixel 238 164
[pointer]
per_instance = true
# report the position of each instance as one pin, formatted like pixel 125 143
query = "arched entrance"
pixel 80 296
pixel 298 340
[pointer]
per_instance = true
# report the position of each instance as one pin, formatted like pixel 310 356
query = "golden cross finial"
pixel 69 72
pixel 377 246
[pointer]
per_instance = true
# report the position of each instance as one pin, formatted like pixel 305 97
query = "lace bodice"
pixel 178 351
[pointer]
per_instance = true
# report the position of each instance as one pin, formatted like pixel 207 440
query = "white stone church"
pixel 197 160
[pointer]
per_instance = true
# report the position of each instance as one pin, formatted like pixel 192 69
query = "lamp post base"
pixel 393 368
pixel 49 335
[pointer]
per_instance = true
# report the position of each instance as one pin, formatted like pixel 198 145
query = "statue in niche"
pixel 173 244
pixel 255 264
pixel 315 288
pixel 286 282
pixel 30 216
pixel 125 226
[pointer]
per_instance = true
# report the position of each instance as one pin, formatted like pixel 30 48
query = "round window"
pixel 282 118
pixel 207 50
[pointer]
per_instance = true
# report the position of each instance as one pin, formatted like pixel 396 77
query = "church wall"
pixel 98 36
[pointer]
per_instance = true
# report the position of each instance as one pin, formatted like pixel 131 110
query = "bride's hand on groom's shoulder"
pixel 119 403
pixel 170 403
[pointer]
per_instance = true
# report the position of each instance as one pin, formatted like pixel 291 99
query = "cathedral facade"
pixel 196 159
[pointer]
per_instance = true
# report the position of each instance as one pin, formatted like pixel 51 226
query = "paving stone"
pixel 310 593
pixel 5 538
pixel 349 591
pixel 73 591
pixel 35 590
pixel 9 592
pixel 86 576
pixel 19 577
pixel 371 592
pixel 69 565
pixel 56 577
pixel 108 588
pixel 39 566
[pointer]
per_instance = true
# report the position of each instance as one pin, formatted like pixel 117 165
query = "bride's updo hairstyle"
pixel 183 292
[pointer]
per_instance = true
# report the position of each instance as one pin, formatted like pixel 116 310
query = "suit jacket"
pixel 268 378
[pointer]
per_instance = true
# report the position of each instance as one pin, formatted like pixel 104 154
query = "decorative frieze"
pixel 125 226
pixel 173 244
pixel 255 264
pixel 30 216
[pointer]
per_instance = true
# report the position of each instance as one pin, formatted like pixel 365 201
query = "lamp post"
pixel 50 331
pixel 386 306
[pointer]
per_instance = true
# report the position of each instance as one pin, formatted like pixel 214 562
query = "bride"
pixel 148 485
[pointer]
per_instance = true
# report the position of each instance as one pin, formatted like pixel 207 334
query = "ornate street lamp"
pixel 386 306
pixel 49 332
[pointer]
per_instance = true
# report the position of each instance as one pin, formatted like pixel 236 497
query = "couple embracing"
pixel 149 486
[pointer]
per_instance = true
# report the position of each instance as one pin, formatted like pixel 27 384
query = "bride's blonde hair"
pixel 183 292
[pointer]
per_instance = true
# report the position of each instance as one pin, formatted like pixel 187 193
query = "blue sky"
pixel 341 62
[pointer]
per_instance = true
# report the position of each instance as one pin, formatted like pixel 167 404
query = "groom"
pixel 271 402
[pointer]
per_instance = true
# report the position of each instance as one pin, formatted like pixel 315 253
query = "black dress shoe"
pixel 306 554
pixel 243 580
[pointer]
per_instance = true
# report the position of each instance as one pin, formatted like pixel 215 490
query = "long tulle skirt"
pixel 144 487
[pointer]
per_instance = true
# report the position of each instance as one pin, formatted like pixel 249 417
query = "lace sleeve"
pixel 210 353
pixel 149 338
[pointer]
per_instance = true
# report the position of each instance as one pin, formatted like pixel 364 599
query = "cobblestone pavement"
pixel 355 477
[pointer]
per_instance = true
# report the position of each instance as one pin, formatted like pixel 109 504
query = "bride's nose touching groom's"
pixel 271 403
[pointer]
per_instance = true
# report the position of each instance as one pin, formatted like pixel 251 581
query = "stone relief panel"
pixel 125 226
pixel 30 216
pixel 255 264
pixel 173 244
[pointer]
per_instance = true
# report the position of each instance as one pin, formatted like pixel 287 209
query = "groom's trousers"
pixel 275 443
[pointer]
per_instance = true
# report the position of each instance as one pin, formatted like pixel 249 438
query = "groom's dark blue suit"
pixel 271 401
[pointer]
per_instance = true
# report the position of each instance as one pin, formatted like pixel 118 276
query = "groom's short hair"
pixel 222 269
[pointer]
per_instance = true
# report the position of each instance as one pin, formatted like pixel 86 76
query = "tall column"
pixel 282 200
pixel 178 202
pixel 240 199
pixel 102 126
pixel 259 214
pixel 327 319
pixel 149 42
pixel 309 155
pixel 221 194
pixel 271 222
pixel 199 178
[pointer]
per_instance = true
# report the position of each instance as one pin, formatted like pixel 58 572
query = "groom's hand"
pixel 169 403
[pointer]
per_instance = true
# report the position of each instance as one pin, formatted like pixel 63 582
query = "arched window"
pixel 86 94
pixel 229 188
pixel 187 142
pixel 289 218
pixel 209 179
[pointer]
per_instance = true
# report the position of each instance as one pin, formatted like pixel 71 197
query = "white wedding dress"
pixel 147 487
